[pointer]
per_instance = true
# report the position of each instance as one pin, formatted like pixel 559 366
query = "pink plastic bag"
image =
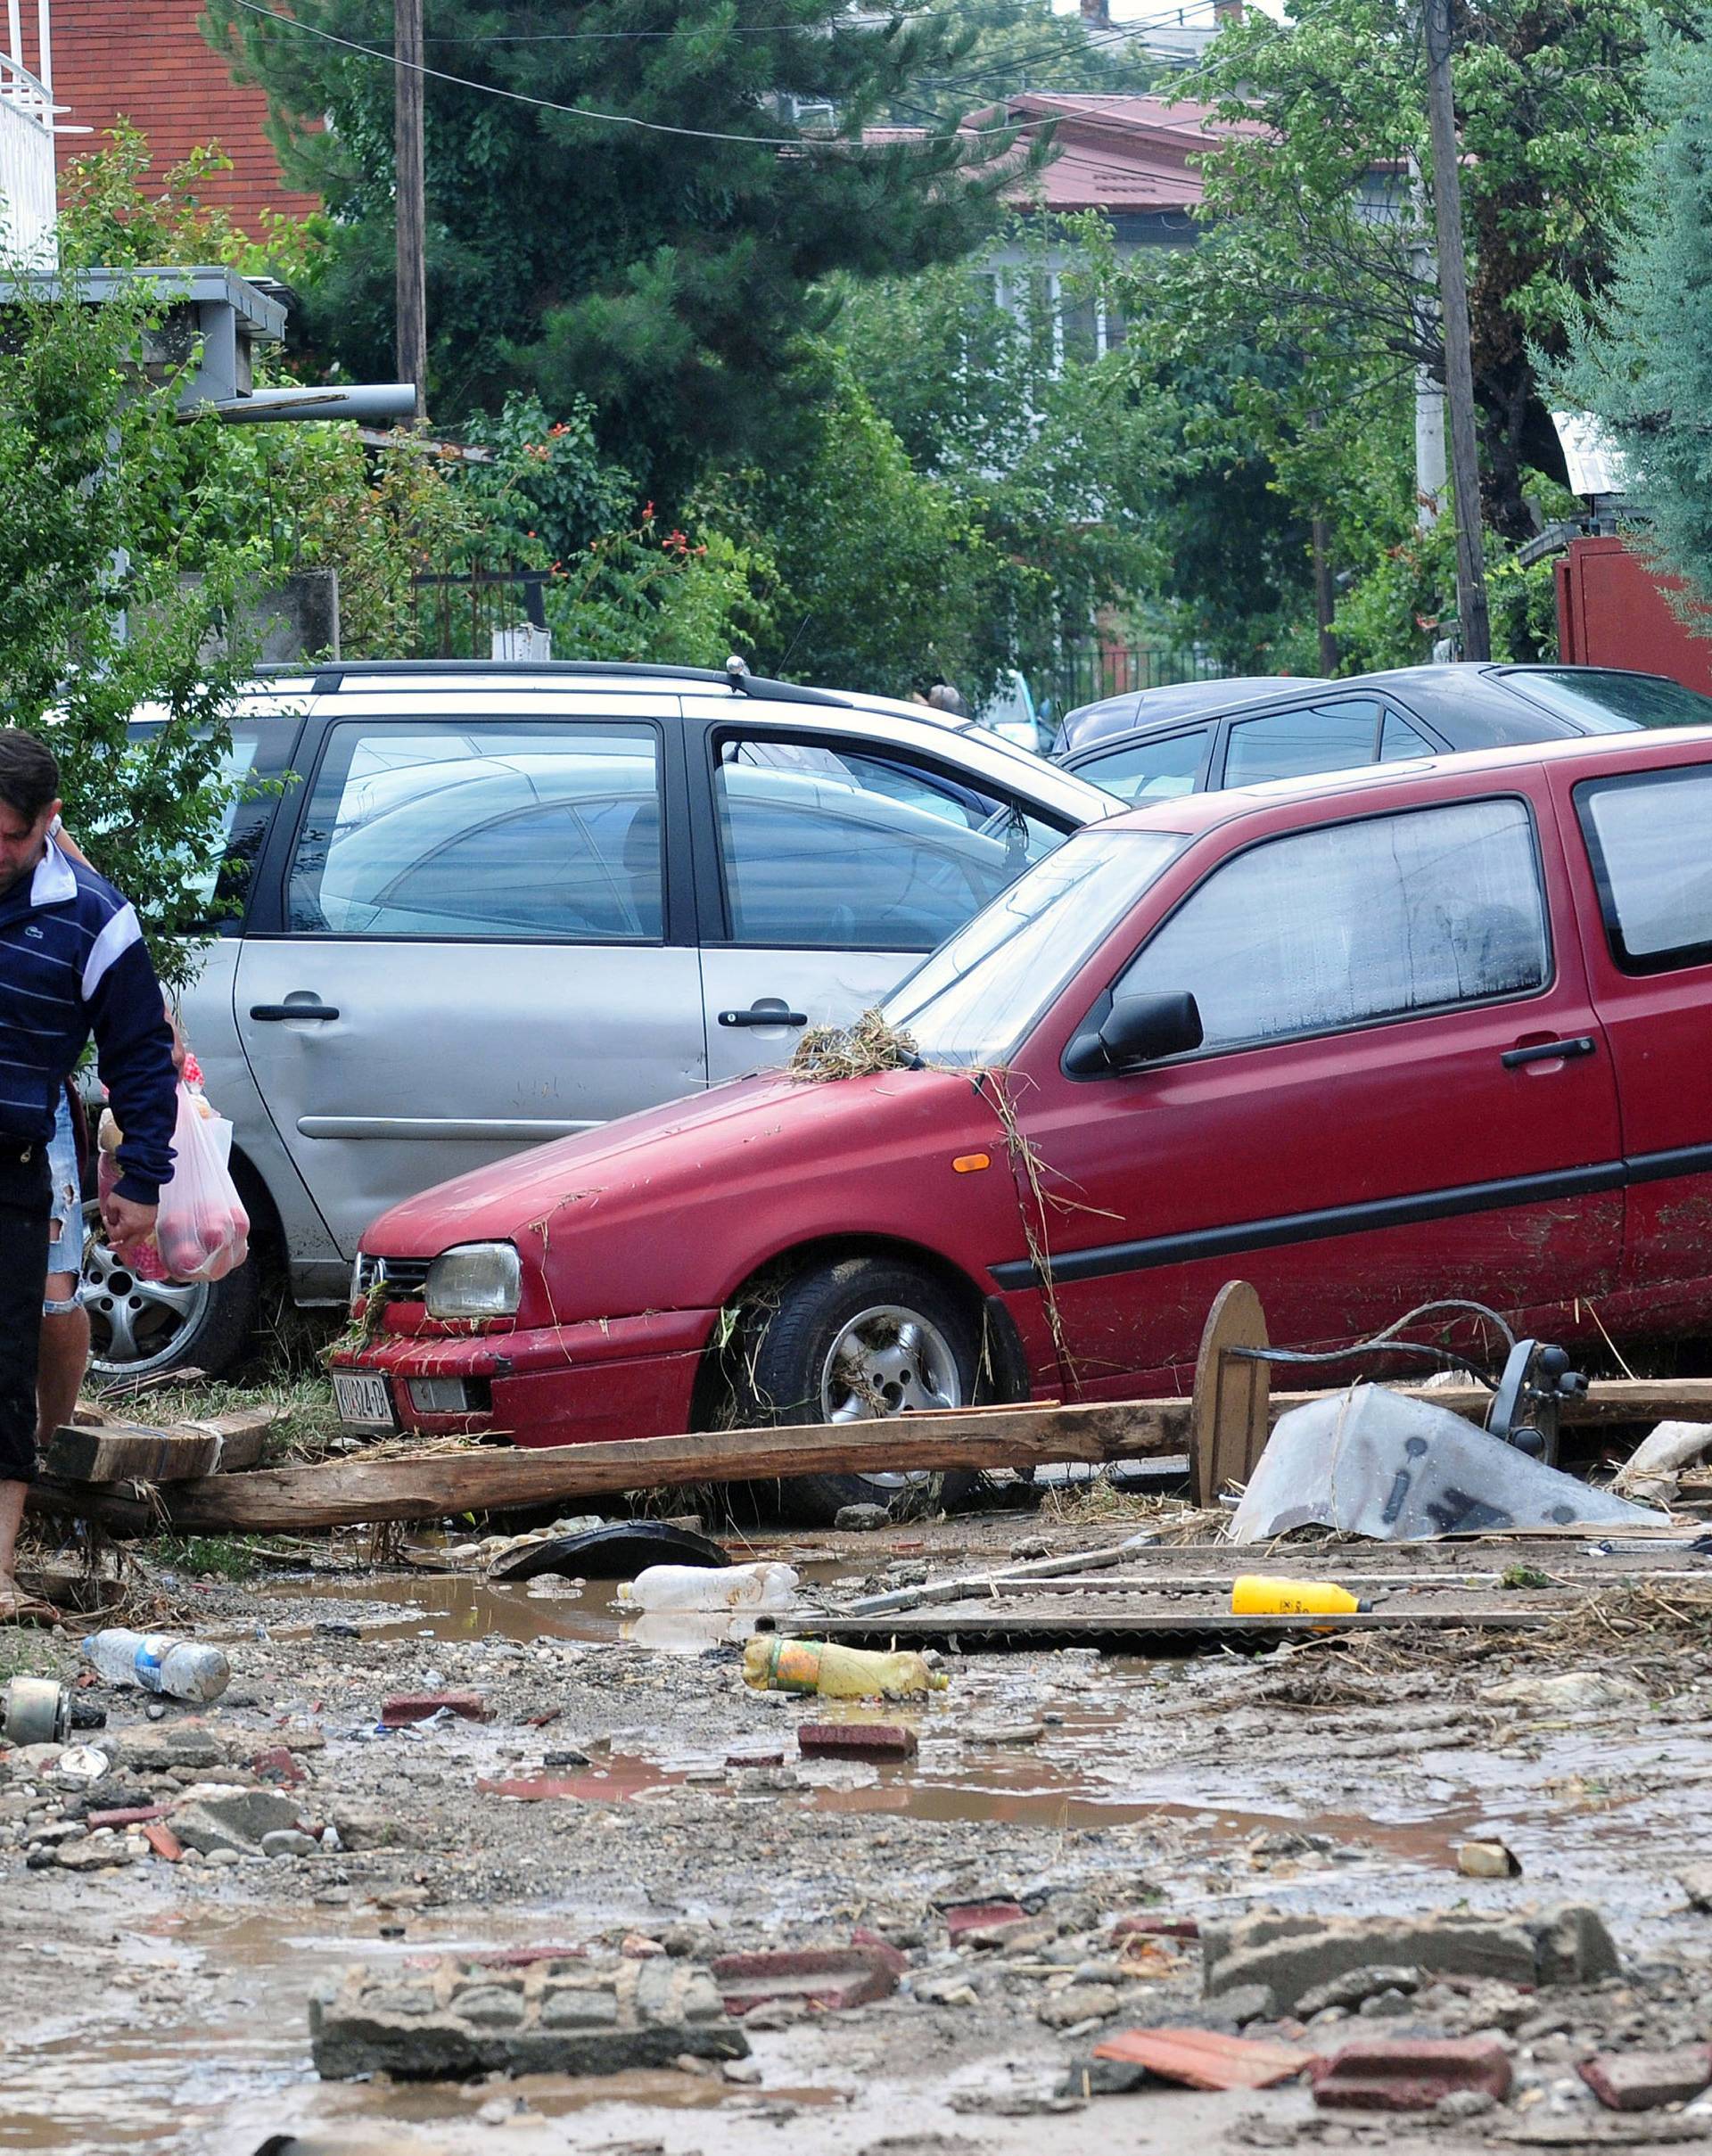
pixel 202 1230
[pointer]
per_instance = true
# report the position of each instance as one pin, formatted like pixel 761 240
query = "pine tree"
pixel 1644 361
pixel 665 274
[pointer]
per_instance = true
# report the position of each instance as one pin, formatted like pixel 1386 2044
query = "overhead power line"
pixel 659 126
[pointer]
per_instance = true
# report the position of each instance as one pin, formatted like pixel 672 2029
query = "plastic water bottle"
pixel 712 1587
pixel 183 1669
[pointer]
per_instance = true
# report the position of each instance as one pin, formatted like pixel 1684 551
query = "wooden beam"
pixel 427 1485
pixel 124 1451
pixel 1030 1628
pixel 112 1451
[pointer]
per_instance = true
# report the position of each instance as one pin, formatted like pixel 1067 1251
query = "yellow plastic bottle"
pixel 1262 1594
pixel 771 1664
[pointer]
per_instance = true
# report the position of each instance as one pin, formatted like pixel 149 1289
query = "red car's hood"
pixel 726 1140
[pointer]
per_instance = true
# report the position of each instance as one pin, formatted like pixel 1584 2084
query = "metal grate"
pixel 405 1278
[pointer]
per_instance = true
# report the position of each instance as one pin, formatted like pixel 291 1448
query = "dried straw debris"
pixel 857 1050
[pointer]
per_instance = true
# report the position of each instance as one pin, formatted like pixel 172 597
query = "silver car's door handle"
pixel 271 1012
pixel 761 1014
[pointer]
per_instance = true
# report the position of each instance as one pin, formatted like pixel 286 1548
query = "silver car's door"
pixel 476 948
pixel 838 864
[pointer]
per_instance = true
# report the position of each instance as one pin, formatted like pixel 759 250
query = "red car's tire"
pixel 862 1338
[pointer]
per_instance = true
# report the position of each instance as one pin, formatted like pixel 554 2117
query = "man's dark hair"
pixel 29 776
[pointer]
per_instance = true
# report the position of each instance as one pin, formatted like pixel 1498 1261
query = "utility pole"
pixel 1453 311
pixel 412 305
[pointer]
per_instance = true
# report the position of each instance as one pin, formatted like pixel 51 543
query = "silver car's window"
pixel 832 850
pixel 982 993
pixel 1151 770
pixel 1357 922
pixel 548 830
pixel 1290 744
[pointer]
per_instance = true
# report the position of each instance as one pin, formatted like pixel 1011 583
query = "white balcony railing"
pixel 27 204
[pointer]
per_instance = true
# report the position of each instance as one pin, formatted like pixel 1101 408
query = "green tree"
pixel 664 264
pixel 1325 255
pixel 1643 358
pixel 98 613
pixel 1022 45
pixel 1042 448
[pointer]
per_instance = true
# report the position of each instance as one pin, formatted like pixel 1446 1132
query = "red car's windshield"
pixel 977 997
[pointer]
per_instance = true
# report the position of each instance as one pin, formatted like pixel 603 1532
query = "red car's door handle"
pixel 1546 1051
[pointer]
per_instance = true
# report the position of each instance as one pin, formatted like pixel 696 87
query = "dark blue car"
pixel 1202 735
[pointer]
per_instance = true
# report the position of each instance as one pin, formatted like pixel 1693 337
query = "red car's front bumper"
pixel 611 1379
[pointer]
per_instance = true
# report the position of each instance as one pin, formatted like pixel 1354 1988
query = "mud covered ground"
pixel 156 2006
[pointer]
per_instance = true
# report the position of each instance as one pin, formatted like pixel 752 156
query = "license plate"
pixel 364 1403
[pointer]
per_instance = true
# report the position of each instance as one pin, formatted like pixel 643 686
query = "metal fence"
pixel 1093 668
pixel 457 615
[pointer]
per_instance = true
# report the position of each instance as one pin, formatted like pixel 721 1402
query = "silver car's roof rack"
pixel 330 674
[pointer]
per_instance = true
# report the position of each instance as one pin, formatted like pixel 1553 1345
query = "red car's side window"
pixel 1354 923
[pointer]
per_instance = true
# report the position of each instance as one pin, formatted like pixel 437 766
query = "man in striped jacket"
pixel 72 963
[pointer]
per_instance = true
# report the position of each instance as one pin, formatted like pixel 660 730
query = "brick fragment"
pixel 1408 2073
pixel 162 1840
pixel 277 1765
pixel 1139 1924
pixel 826 1977
pixel 983 1916
pixel 1644 2080
pixel 856 1740
pixel 1203 2058
pixel 127 1815
pixel 406 1707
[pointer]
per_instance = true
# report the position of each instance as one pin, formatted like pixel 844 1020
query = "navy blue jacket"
pixel 73 962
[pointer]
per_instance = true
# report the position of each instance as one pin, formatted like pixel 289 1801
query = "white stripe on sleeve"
pixel 116 937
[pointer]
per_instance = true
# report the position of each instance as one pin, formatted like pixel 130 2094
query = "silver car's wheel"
pixel 138 1328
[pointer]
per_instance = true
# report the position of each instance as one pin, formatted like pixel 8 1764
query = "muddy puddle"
pixel 467 1606
pixel 201 2043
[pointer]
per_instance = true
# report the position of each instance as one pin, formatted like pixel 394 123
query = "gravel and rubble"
pixel 1260 1846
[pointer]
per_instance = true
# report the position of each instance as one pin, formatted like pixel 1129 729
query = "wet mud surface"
pixel 162 2007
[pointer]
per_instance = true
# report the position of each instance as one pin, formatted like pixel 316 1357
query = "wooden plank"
pixel 124 1451
pixel 1028 1629
pixel 1228 1417
pixel 427 1485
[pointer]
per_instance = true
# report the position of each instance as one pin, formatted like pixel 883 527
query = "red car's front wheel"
pixel 864 1339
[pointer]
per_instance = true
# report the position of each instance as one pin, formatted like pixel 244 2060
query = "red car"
pixel 1423 1029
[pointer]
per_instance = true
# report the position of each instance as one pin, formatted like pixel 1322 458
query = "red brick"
pixel 856 1740
pixel 828 1977
pixel 162 1840
pixel 983 1916
pixel 768 1755
pixel 1203 2058
pixel 1641 2080
pixel 1408 2073
pixel 407 1707
pixel 128 1815
pixel 277 1765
